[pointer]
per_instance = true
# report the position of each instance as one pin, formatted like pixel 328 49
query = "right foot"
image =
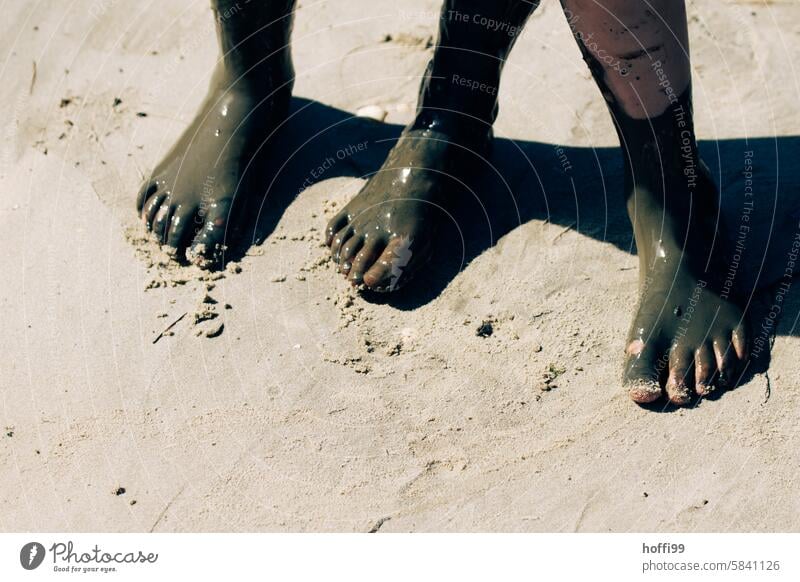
pixel 384 234
pixel 382 237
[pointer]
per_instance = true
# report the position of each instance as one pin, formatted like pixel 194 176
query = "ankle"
pixel 468 134
pixel 254 40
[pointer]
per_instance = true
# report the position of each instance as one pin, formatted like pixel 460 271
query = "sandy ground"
pixel 316 409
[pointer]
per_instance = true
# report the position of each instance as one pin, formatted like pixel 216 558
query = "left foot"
pixel 188 203
pixel 688 335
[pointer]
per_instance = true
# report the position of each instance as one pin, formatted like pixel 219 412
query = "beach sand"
pixel 487 400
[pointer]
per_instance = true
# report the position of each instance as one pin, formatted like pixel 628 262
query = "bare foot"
pixel 187 204
pixel 384 234
pixel 687 336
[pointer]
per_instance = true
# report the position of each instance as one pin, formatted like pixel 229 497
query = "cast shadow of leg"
pixel 577 188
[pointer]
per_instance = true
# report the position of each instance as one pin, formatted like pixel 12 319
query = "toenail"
pixel 644 391
pixel 635 347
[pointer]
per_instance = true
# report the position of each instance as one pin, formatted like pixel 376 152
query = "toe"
pixel 642 372
pixel 740 342
pixel 389 272
pixel 336 224
pixel 704 368
pixel 680 369
pixel 365 258
pixel 208 247
pixel 726 362
pixel 338 241
pixel 348 253
pixel 162 220
pixel 146 191
pixel 151 208
pixel 180 227
pixel 377 277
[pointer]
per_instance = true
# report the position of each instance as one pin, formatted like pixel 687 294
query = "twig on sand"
pixel 169 327
pixel 562 233
pixel 33 79
pixel 166 508
pixel 379 524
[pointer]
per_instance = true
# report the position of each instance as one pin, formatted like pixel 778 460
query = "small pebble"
pixel 485 329
pixel 215 330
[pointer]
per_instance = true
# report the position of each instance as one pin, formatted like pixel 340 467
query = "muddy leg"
pixel 387 231
pixel 688 334
pixel 189 199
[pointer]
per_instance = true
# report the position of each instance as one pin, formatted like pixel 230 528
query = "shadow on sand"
pixel 575 187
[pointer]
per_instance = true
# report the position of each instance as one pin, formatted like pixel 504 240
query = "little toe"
pixel 680 371
pixel 146 191
pixel 208 247
pixel 641 377
pixel 726 362
pixel 705 366
pixel 336 224
pixel 339 240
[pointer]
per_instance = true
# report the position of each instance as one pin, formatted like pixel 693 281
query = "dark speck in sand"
pixel 485 329
pixel 119 491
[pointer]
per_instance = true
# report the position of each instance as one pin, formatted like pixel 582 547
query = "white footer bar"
pixel 385 558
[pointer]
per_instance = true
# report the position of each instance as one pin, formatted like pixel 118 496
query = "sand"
pixel 140 396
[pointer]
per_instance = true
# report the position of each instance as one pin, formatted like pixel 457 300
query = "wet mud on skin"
pixel 194 198
pixel 680 297
pixel 689 333
pixel 382 238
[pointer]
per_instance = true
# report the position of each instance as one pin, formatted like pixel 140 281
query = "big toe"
pixel 180 228
pixel 364 259
pixel 207 250
pixel 391 270
pixel 641 378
